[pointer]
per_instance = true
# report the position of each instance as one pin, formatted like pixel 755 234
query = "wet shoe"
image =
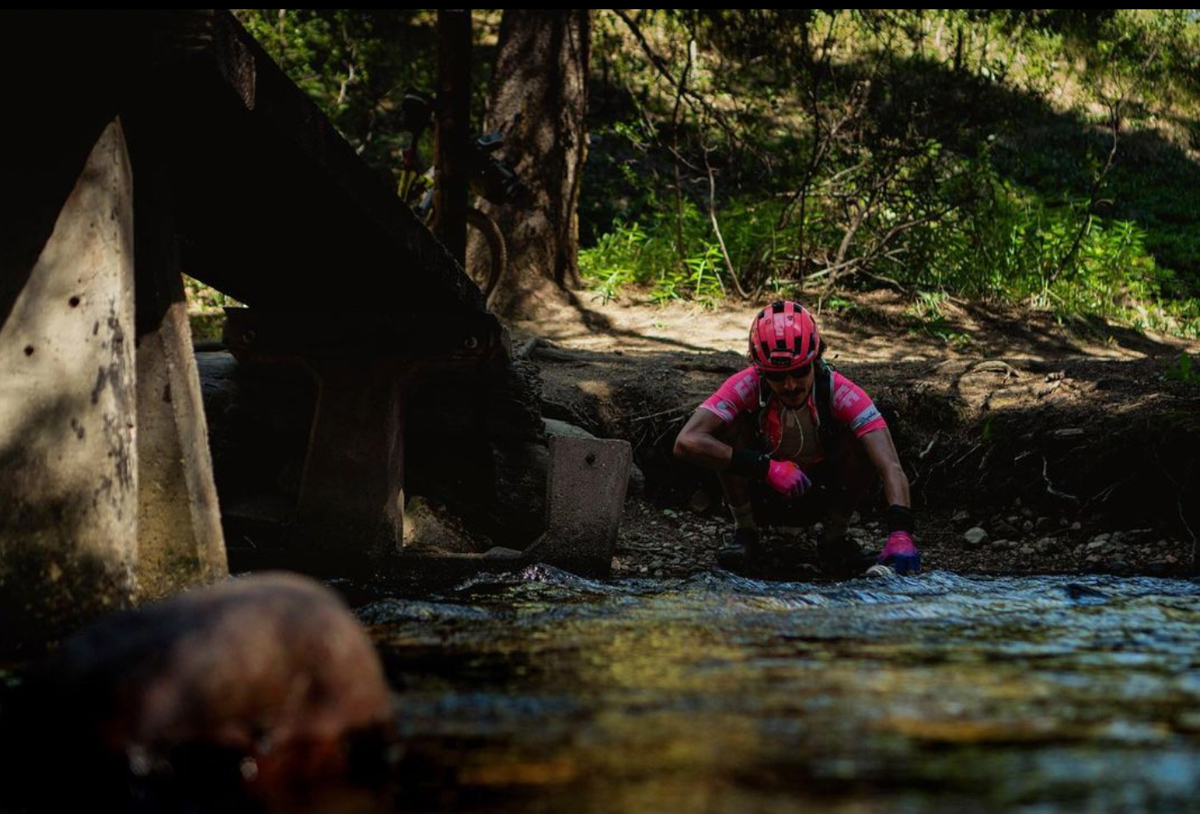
pixel 746 555
pixel 842 559
pixel 736 554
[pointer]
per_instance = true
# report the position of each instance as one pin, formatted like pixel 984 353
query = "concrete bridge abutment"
pixel 106 491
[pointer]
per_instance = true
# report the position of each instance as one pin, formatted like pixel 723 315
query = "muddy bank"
pixel 1031 448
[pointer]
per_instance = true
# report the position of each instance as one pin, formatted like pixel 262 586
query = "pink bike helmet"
pixel 783 337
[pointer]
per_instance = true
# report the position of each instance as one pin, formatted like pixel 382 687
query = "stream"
pixel 542 691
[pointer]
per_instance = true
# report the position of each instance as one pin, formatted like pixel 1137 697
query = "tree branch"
pixel 712 215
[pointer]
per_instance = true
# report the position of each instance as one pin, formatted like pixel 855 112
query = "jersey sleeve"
pixel 853 408
pixel 739 394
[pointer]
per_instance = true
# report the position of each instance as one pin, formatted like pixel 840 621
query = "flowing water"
pixel 546 692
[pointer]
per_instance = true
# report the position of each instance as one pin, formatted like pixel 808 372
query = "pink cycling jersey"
pixel 740 395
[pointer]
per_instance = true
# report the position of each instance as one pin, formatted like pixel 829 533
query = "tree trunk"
pixel 538 100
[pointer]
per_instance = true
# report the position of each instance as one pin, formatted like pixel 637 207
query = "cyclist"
pixel 791 422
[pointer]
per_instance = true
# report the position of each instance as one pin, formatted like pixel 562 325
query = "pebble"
pixel 975 535
pixel 1006 529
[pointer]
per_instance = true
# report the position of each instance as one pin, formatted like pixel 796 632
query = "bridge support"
pixel 350 505
pixel 353 482
pixel 180 542
pixel 99 469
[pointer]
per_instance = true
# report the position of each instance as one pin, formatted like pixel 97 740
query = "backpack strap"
pixel 823 395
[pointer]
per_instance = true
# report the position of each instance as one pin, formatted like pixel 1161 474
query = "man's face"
pixel 791 388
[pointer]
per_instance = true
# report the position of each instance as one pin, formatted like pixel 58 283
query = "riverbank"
pixel 1032 447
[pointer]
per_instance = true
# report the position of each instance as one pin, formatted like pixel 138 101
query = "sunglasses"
pixel 780 375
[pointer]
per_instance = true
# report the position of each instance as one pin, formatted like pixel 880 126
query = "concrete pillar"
pixel 179 523
pixel 350 507
pixel 68 461
pixel 353 483
pixel 180 542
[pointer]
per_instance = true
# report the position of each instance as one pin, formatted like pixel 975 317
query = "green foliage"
pixel 644 253
pixel 206 308
pixel 355 65
pixel 927 317
pixel 1185 370
pixel 944 152
pixel 1035 156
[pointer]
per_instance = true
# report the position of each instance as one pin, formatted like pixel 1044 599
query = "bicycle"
pixel 491 178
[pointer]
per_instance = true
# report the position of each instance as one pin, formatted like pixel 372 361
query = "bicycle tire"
pixel 497 250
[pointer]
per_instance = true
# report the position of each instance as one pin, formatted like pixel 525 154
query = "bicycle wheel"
pixel 486 272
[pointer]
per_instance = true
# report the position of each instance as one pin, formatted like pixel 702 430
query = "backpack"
pixel 823 394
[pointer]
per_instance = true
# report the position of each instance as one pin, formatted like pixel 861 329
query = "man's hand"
pixel 900 553
pixel 787 479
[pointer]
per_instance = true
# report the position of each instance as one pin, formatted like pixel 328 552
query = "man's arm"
pixel 900 552
pixel 882 453
pixel 697 442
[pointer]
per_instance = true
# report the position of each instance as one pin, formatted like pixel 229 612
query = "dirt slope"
pixel 1073 448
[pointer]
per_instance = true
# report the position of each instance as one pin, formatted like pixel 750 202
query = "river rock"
pixel 975 536
pixel 251 689
pixel 430 529
pixel 1003 528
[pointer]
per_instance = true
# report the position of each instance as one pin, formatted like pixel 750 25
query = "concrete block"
pixel 585 498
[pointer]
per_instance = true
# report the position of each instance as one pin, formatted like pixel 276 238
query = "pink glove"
pixel 901 553
pixel 787 479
